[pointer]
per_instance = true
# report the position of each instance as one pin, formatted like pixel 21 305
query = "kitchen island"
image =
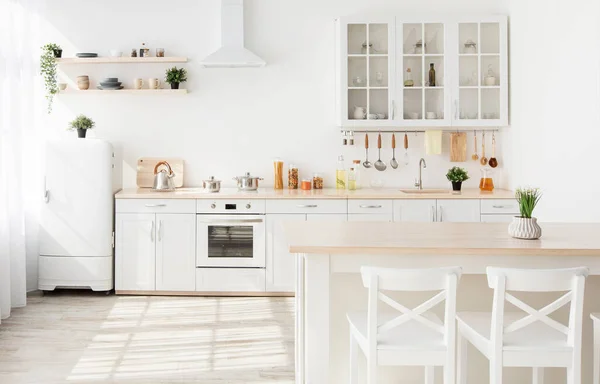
pixel 326 253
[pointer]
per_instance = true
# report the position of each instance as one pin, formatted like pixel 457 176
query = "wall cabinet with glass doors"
pixel 405 72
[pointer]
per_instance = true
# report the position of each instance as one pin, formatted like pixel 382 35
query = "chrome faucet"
pixel 419 183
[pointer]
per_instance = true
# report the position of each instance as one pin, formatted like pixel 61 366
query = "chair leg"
pixel 461 367
pixel 353 360
pixel 596 353
pixel 495 371
pixel 429 375
pixel 371 371
pixel 538 375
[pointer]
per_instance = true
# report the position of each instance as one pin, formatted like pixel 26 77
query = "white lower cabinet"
pixel 135 252
pixel 458 211
pixel 497 218
pixel 413 210
pixel 385 217
pixel 281 265
pixel 230 280
pixel 175 252
pixel 327 217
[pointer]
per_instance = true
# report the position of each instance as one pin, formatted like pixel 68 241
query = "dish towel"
pixel 433 142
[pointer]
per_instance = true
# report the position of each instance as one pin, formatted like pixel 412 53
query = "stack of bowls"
pixel 110 84
pixel 83 82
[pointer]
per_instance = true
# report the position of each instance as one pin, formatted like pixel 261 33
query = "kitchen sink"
pixel 424 191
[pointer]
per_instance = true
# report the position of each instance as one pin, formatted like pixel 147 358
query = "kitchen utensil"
pixel 110 84
pixel 211 185
pixel 486 183
pixel 109 88
pixel 367 163
pixel 458 146
pixel 145 171
pixel 413 115
pixel 138 83
pixel 358 81
pixel 86 55
pixel 359 113
pixel 475 156
pixel 490 78
pixel 484 159
pixel 393 162
pixel 62 86
pixel 381 116
pixel 163 179
pixel 470 46
pixel 153 83
pixel 493 161
pixel 115 53
pixel 406 158
pixel 431 115
pixel 372 116
pixel 160 52
pixel 379 165
pixel 247 182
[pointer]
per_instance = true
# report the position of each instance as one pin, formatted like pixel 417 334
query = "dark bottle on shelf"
pixel 431 75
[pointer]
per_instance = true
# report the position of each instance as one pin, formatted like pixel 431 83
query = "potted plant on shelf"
pixel 456 176
pixel 81 124
pixel 50 52
pixel 175 75
pixel 526 226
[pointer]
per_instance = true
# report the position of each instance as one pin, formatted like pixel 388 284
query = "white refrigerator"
pixel 76 231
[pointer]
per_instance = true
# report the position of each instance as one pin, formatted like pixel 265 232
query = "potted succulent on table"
pixel 526 226
pixel 175 75
pixel 81 124
pixel 456 176
pixel 50 52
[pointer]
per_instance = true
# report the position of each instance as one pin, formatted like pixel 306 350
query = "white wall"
pixel 233 120
pixel 555 105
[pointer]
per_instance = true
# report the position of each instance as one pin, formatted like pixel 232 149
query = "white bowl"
pixel 115 53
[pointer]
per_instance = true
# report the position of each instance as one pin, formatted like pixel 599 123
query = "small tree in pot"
pixel 526 226
pixel 175 75
pixel 81 124
pixel 457 175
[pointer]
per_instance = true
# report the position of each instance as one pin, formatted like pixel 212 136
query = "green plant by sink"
pixel 456 175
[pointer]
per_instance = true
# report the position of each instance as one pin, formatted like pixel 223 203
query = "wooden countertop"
pixel 439 239
pixel 328 193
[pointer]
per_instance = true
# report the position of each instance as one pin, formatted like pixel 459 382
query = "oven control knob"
pixel 248 206
pixel 213 205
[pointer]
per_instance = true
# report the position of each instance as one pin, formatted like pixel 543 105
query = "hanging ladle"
pixel 493 161
pixel 379 165
pixel 484 160
pixel 393 162
pixel 367 163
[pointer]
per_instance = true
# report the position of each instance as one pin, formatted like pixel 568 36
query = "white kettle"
pixel 163 179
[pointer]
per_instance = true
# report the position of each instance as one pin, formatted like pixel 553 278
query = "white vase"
pixel 524 228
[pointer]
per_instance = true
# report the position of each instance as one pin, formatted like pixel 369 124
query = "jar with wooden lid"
pixel 317 181
pixel 293 177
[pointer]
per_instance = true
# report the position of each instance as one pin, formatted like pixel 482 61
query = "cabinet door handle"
pixel 441 213
pixel 432 213
pixel 46 196
pixel 501 206
pixel 159 230
pixel 307 206
pixel 393 109
pixel 152 232
pixel 155 205
pixel 456 109
pixel 371 206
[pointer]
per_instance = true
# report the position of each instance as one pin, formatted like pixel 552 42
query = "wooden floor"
pixel 86 337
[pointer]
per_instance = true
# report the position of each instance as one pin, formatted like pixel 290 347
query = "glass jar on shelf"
pixel 293 177
pixel 317 181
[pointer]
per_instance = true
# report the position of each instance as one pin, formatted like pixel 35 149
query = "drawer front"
pixel 230 279
pixel 370 206
pixel 230 206
pixel 504 206
pixel 496 218
pixel 156 206
pixel 307 206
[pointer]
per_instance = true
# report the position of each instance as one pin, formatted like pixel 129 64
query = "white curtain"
pixel 19 146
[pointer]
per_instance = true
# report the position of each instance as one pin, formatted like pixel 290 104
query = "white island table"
pixel 327 248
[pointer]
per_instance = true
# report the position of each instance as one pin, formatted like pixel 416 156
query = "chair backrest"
pixel 569 280
pixel 444 280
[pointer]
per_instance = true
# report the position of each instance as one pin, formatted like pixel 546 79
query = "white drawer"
pixel 230 206
pixel 307 206
pixel 230 279
pixel 496 218
pixel 156 206
pixel 370 206
pixel 502 206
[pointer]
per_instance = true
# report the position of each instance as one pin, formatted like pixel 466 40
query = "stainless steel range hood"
pixel 232 53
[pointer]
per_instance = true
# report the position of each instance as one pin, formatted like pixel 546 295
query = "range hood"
pixel 232 53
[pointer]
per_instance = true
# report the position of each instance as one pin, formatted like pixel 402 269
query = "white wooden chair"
pixel 533 339
pixel 596 320
pixel 407 337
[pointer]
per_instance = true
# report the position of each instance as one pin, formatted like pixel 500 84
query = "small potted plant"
pixel 81 124
pixel 526 226
pixel 50 52
pixel 457 175
pixel 175 75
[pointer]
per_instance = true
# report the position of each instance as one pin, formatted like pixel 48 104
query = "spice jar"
pixel 278 169
pixel 293 177
pixel 305 185
pixel 317 181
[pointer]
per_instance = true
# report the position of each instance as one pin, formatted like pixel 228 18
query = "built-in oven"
pixel 230 233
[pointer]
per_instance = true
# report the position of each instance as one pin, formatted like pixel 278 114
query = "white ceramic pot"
pixel 523 228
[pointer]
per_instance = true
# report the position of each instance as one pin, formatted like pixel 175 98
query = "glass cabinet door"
pixel 482 86
pixel 368 57
pixel 424 61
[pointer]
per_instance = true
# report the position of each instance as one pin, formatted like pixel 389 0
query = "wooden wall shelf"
pixel 121 60
pixel 125 91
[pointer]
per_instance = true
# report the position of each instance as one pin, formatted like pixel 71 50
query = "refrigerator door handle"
pixel 46 196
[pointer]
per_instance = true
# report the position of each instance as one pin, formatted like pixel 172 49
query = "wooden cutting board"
pixel 145 171
pixel 458 146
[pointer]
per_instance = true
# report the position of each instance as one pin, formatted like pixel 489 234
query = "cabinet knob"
pixel 248 206
pixel 213 205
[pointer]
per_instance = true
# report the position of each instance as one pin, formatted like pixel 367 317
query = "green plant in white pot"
pixel 81 124
pixel 525 226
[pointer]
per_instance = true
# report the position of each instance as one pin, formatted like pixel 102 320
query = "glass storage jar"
pixel 293 177
pixel 317 181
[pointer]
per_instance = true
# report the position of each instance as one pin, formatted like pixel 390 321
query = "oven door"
pixel 230 241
